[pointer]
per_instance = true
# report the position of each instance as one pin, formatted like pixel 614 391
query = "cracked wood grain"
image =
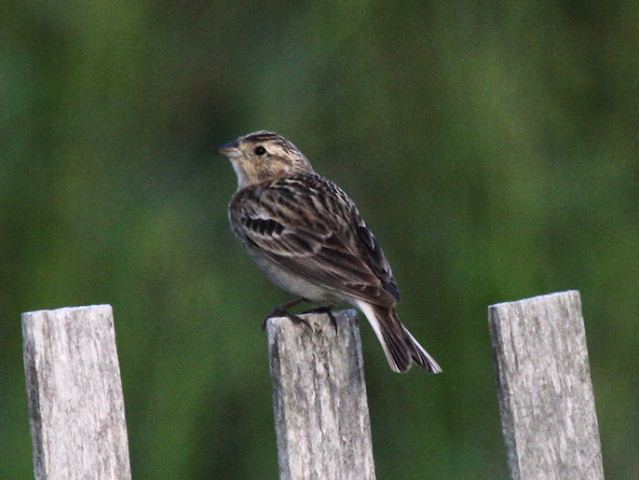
pixel 76 408
pixel 545 392
pixel 319 396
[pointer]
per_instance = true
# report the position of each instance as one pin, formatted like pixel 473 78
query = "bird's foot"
pixel 282 311
pixel 328 310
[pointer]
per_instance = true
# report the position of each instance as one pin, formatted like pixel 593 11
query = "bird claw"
pixel 277 312
pixel 281 312
pixel 297 320
pixel 328 311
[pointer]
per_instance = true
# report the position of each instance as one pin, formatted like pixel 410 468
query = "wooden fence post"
pixel 545 393
pixel 76 410
pixel 321 411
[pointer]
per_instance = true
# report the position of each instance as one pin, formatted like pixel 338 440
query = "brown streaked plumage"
pixel 306 234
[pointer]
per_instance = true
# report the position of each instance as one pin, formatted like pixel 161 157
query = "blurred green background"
pixel 492 146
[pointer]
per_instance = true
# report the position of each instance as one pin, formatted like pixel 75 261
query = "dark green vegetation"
pixel 493 150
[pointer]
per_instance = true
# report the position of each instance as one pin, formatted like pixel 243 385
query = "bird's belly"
pixel 296 284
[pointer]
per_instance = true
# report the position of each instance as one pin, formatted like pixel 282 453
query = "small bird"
pixel 308 237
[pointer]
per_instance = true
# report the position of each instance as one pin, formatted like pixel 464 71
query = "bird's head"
pixel 262 156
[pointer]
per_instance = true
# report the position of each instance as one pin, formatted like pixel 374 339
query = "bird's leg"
pixel 328 311
pixel 282 311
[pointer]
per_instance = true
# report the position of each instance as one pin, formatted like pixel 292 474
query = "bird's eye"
pixel 260 150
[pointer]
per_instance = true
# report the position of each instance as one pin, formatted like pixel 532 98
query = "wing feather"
pixel 309 226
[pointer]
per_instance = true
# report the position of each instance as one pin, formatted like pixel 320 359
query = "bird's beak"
pixel 230 150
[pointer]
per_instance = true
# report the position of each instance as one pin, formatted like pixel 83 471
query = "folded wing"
pixel 310 227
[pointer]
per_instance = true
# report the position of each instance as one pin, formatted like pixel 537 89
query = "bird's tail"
pixel 399 345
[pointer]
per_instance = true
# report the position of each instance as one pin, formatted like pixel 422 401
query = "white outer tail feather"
pixel 368 310
pixel 434 365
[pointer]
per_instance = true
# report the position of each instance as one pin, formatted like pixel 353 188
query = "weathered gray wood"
pixel 321 411
pixel 76 410
pixel 545 393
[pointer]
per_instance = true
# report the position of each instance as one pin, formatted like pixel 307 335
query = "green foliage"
pixel 492 149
